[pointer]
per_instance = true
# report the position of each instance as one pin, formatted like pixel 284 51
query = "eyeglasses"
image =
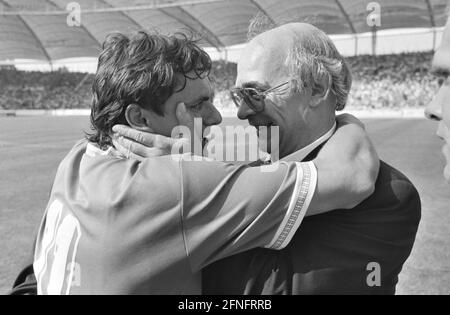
pixel 254 98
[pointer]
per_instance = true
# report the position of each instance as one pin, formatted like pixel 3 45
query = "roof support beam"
pixel 432 22
pixel 260 8
pixel 212 39
pixel 82 26
pixel 350 23
pixel 127 16
pixel 431 13
pixel 346 16
pixel 198 26
pixel 33 34
pixel 154 6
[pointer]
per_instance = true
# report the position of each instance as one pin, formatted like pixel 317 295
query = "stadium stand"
pixel 393 81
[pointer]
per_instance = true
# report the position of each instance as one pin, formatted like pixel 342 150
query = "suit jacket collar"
pixel 302 154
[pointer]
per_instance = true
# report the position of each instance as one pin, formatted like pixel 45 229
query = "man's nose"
pixel 245 111
pixel 434 109
pixel 213 116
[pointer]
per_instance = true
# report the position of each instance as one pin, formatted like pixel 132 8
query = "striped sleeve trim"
pixel 300 202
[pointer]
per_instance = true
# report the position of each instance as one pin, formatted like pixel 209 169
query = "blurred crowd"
pixel 44 90
pixel 394 81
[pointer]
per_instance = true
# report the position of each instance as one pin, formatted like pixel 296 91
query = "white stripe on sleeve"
pixel 301 199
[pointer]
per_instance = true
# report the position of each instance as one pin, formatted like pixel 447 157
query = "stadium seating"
pixel 43 90
pixel 394 81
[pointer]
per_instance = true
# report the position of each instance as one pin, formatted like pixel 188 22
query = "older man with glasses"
pixel 359 252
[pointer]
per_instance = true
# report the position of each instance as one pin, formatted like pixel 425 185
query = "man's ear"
pixel 135 117
pixel 320 90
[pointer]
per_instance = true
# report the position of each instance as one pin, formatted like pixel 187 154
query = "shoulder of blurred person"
pixel 26 283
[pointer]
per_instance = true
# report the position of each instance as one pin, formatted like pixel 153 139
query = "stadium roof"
pixel 39 29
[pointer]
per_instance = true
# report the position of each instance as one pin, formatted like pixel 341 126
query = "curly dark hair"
pixel 141 69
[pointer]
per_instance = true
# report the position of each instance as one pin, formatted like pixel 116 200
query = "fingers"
pixel 164 143
pixel 131 142
pixel 147 139
pixel 126 152
pixel 129 147
pixel 134 150
pixel 132 146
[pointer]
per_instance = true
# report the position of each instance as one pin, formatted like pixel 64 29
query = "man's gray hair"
pixel 261 23
pixel 312 59
pixel 316 58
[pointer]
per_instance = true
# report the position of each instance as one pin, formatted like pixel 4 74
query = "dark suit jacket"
pixel 330 253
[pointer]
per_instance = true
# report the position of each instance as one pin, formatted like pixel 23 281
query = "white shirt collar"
pixel 92 150
pixel 300 155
